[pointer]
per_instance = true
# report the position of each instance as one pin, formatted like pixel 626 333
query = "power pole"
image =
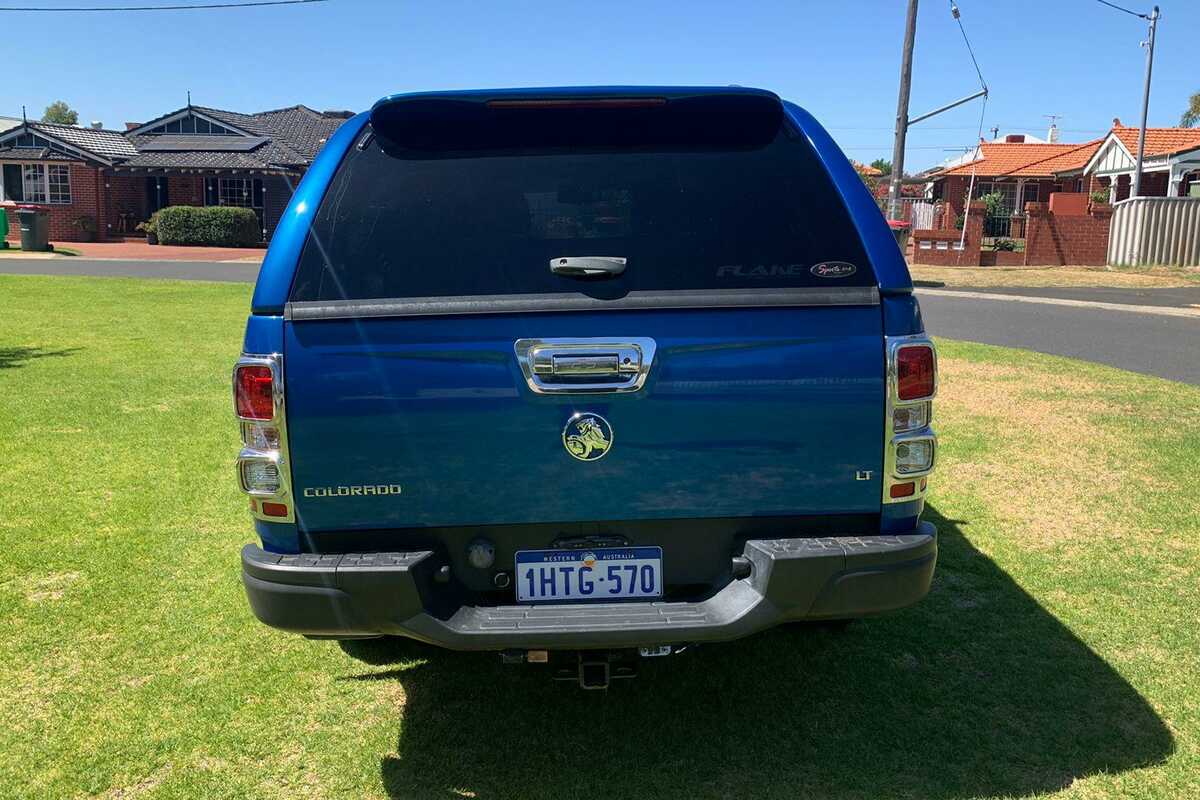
pixel 910 37
pixel 1135 190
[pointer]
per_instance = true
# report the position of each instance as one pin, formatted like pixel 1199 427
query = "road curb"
pixel 1165 311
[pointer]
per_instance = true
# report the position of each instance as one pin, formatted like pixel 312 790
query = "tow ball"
pixel 591 669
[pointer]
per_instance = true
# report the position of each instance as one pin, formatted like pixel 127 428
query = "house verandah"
pixel 85 200
pixel 97 183
pixel 1170 166
pixel 133 194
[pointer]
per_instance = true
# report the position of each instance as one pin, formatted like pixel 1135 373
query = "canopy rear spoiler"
pixel 435 123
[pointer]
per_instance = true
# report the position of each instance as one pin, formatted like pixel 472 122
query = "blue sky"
pixel 1075 58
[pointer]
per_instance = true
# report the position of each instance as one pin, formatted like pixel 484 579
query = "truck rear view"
pixel 595 371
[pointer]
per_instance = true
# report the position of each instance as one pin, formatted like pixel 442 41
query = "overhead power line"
pixel 190 7
pixel 1126 10
pixel 957 18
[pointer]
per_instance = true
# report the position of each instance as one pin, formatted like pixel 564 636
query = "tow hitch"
pixel 591 669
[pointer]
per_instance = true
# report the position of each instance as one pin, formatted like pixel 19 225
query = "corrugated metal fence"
pixel 1155 230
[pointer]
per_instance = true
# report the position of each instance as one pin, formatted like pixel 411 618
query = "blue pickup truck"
pixel 581 374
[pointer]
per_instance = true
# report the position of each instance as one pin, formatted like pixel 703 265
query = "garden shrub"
pixel 212 226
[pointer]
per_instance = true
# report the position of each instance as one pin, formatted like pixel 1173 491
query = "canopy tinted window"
pixel 703 200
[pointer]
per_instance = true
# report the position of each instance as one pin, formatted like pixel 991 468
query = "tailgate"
pixel 744 412
pixel 701 225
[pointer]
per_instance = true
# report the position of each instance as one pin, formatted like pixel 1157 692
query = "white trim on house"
pixel 1103 152
pixel 44 197
pixel 1112 160
pixel 146 127
pixel 21 131
pixel 1112 157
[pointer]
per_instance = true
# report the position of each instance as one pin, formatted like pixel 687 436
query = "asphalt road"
pixel 1056 321
pixel 1151 343
pixel 1178 296
pixel 238 271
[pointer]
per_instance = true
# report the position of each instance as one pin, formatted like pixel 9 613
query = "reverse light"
pixel 254 391
pixel 916 372
pixel 914 456
pixel 259 476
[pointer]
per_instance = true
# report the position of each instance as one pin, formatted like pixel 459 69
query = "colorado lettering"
pixel 352 491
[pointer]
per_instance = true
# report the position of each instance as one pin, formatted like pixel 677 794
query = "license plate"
pixel 607 573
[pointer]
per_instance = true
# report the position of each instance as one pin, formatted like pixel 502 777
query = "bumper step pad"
pixel 356 594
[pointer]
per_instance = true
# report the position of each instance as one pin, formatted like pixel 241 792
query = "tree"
pixel 883 166
pixel 60 113
pixel 1191 117
pixel 870 181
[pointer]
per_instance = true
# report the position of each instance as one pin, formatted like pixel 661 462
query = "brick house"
pixel 1024 172
pixel 112 180
pixel 1170 166
pixel 1021 172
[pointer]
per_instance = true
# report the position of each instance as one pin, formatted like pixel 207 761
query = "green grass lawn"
pixel 1057 654
pixel 14 249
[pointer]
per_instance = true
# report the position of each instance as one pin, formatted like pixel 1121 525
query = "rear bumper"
pixel 346 595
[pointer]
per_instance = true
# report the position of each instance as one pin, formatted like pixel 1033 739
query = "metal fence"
pixel 920 213
pixel 1155 230
pixel 998 226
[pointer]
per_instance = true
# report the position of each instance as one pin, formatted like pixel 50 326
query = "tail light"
pixel 254 391
pixel 262 468
pixel 916 372
pixel 910 445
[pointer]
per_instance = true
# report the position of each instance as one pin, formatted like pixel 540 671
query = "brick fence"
pixel 1076 234
pixel 1058 239
pixel 942 248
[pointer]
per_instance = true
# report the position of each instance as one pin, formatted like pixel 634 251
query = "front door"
pixel 156 194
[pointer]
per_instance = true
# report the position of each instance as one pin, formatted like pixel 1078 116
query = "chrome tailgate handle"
pixel 585 366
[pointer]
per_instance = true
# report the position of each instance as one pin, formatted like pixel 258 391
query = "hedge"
pixel 214 226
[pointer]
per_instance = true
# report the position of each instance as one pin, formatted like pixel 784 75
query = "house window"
pixel 1006 190
pixel 240 192
pixel 1033 193
pixel 37 183
pixel 33 182
pixel 58 184
pixel 236 192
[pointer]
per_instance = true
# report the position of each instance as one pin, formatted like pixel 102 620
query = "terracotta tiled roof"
pixel 1023 159
pixel 1159 141
pixel 866 169
pixel 1070 161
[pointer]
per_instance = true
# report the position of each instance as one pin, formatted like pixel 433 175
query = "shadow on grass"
pixel 976 691
pixel 12 357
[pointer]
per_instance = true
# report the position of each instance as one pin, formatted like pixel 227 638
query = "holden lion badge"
pixel 587 436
